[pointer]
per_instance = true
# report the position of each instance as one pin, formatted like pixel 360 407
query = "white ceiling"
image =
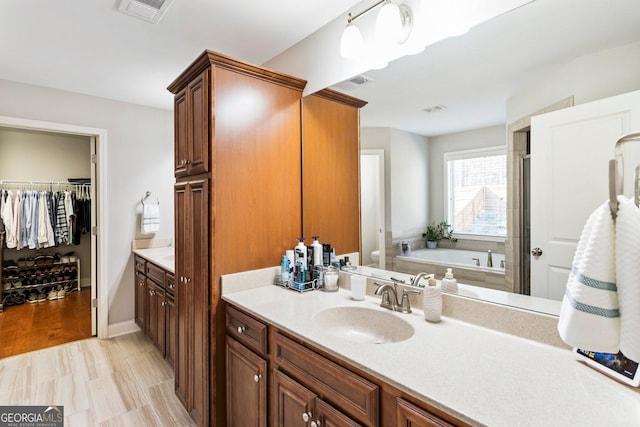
pixel 86 46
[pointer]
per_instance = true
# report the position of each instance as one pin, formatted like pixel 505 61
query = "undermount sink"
pixel 363 325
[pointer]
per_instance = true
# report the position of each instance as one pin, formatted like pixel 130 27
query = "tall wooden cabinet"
pixel 237 204
pixel 330 169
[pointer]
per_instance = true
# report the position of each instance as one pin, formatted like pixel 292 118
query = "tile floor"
pixel 122 381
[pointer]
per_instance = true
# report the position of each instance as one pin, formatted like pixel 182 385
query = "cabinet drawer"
pixel 141 264
pixel 247 330
pixel 170 283
pixel 156 273
pixel 355 396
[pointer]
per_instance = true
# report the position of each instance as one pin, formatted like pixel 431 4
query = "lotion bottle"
pixel 432 301
pixel 449 283
pixel 301 251
pixel 317 252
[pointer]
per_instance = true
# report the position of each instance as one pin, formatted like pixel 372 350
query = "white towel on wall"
pixel 590 315
pixel 150 218
pixel 628 276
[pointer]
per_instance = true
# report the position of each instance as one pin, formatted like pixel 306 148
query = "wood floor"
pixel 27 327
pixel 122 381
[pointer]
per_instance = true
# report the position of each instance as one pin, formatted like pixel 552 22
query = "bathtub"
pixel 462 262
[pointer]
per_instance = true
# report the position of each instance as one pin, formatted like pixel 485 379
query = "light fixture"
pixel 351 42
pixel 393 25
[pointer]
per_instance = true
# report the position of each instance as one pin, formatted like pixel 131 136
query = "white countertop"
pixel 163 257
pixel 478 375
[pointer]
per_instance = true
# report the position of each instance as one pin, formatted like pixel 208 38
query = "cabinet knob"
pixel 257 378
pixel 163 303
pixel 141 283
pixel 151 292
pixel 241 329
pixel 306 416
pixel 315 424
pixel 187 161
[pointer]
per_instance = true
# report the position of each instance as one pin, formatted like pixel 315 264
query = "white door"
pixel 570 151
pixel 372 217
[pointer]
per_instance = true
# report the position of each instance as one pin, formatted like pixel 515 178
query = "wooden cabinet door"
pixel 410 415
pixel 292 403
pixel 192 270
pixel 156 319
pixel 246 387
pixel 141 297
pixel 181 132
pixel 328 416
pixel 184 294
pixel 171 317
pixel 198 121
pixel 191 128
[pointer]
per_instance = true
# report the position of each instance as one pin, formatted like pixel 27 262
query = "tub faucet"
pixel 489 259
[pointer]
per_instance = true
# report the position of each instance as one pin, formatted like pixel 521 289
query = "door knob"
pixel 536 251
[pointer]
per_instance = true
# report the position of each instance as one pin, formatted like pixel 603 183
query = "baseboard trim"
pixel 123 328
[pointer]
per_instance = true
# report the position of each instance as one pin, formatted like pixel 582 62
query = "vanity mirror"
pixel 502 71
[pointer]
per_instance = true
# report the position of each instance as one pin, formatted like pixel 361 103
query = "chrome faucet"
pixel 415 281
pixel 389 296
pixel 489 259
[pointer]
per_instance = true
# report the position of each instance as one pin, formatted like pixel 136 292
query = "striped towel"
pixel 590 312
pixel 150 218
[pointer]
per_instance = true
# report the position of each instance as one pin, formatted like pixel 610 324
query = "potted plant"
pixel 436 232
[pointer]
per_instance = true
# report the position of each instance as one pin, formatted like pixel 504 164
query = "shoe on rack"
pixel 41 297
pixel 53 294
pixel 33 298
pixel 19 298
pixel 62 293
pixel 31 262
pixel 22 262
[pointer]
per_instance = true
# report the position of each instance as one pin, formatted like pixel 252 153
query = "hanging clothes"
pixel 62 228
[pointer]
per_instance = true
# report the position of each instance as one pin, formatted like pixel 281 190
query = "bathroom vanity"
pixel 323 359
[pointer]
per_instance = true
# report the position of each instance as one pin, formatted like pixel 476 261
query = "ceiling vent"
pixel 354 82
pixel 147 10
pixel 434 108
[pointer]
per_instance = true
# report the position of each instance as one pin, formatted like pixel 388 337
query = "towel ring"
pixel 146 196
pixel 616 172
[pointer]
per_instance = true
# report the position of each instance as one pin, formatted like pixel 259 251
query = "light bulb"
pixel 351 43
pixel 389 22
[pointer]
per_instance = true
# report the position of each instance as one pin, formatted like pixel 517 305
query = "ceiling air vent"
pixel 434 108
pixel 354 82
pixel 148 10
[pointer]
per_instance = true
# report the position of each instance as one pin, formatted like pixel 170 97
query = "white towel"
pixel 628 276
pixel 150 218
pixel 590 315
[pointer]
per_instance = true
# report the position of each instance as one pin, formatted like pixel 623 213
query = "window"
pixel 476 191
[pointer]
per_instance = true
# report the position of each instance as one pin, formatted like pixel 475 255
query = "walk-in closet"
pixel 47 253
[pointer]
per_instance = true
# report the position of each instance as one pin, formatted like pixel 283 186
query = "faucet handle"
pixel 477 260
pixel 406 305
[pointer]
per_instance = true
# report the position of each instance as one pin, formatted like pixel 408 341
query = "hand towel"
pixel 150 218
pixel 628 276
pixel 590 315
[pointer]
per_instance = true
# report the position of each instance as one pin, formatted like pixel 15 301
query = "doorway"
pixel 372 208
pixel 97 139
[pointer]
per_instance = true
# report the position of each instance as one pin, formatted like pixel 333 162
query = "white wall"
pixel 139 158
pixel 587 78
pixel 438 145
pixel 406 178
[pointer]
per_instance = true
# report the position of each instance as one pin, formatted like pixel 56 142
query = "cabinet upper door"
pixel 191 127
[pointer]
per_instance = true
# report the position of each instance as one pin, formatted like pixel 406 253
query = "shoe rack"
pixel 38 278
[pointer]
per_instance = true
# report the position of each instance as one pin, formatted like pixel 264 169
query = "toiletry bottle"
pixel 432 301
pixel 326 254
pixel 449 283
pixel 292 259
pixel 284 269
pixel 301 251
pixel 317 251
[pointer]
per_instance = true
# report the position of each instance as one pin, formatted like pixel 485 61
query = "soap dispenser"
pixel 317 252
pixel 432 301
pixel 449 283
pixel 300 252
